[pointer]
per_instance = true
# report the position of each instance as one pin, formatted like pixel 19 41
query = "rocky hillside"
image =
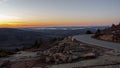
pixel 69 50
pixel 109 34
pixel 65 51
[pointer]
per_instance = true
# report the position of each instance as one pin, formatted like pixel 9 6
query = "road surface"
pixel 87 39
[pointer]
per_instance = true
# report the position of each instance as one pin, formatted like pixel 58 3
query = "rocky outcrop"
pixel 66 52
pixel 109 34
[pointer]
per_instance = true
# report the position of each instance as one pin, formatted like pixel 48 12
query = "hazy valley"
pixel 18 37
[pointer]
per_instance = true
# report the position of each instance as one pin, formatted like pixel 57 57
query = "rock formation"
pixel 109 34
pixel 66 52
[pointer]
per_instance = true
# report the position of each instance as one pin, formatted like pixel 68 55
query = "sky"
pixel 28 13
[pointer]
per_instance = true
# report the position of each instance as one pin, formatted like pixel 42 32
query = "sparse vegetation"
pixel 4 52
pixel 89 32
pixel 37 44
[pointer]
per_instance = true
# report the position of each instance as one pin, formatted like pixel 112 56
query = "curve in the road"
pixel 87 39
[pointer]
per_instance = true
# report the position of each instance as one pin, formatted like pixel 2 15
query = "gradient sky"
pixel 17 13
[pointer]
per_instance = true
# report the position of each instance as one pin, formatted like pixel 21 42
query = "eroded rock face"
pixel 109 34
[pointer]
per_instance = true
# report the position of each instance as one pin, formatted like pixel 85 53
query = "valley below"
pixel 12 38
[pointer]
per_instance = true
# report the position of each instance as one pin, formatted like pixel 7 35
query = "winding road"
pixel 87 39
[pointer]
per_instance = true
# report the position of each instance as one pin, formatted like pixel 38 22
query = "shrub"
pixel 88 32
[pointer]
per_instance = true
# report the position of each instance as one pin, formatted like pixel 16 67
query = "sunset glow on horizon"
pixel 34 13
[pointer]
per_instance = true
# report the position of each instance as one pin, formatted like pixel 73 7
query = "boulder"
pixel 74 57
pixel 89 55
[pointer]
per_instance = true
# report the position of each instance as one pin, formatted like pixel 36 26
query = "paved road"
pixel 87 39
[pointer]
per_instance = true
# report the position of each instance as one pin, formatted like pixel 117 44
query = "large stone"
pixel 89 55
pixel 74 57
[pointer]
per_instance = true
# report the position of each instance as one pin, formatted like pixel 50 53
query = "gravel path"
pixel 87 39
